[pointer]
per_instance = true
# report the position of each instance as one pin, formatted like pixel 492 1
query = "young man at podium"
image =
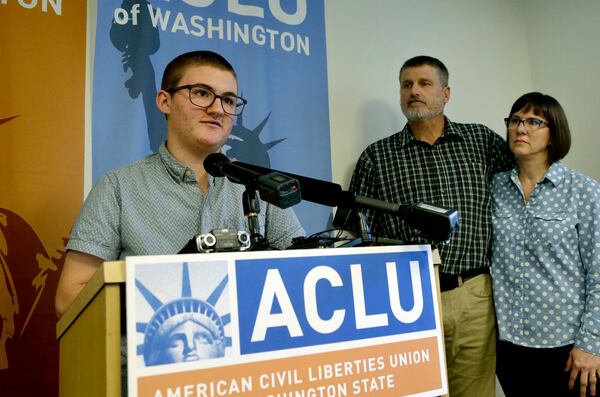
pixel 156 205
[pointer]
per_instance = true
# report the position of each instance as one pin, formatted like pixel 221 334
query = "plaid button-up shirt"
pixel 454 172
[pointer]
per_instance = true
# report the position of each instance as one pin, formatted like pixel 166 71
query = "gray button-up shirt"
pixel 154 207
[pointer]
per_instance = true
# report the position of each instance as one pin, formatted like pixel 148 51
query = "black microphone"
pixel 218 165
pixel 274 187
pixel 313 190
pixel 434 222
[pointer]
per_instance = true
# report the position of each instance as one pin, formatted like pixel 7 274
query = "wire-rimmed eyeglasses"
pixel 203 97
pixel 530 124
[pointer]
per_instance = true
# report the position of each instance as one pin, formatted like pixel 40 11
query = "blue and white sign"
pixel 278 51
pixel 352 321
pixel 313 300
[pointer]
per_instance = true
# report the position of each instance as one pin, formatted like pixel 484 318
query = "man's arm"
pixel 363 183
pixel 79 267
pixel 502 158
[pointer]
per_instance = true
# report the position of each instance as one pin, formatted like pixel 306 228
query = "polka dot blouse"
pixel 546 260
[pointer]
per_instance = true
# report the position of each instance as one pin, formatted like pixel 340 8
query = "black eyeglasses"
pixel 203 97
pixel 530 124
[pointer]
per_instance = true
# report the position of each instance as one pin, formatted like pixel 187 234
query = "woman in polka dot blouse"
pixel 545 260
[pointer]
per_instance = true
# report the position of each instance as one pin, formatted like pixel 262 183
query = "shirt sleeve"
pixel 502 157
pixel 363 182
pixel 588 338
pixel 96 230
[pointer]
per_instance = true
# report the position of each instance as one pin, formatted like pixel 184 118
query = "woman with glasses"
pixel 545 260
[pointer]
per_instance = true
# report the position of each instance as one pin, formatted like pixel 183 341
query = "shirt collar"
pixel 178 171
pixel 450 130
pixel 555 174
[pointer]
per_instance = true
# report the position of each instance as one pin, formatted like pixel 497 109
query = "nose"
pixel 521 127
pixel 216 107
pixel 188 344
pixel 415 91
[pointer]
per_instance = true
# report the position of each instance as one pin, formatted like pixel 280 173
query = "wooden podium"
pixel 89 334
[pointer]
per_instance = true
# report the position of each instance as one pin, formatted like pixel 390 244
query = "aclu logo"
pixel 305 301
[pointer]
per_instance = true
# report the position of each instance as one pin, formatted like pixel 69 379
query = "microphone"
pixel 274 187
pixel 434 222
pixel 313 190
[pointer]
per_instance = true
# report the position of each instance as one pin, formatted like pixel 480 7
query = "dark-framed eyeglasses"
pixel 530 124
pixel 203 97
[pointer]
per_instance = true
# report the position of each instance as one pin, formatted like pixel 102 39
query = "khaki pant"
pixel 470 337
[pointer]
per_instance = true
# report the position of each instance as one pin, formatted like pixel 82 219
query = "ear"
pixel 446 92
pixel 163 101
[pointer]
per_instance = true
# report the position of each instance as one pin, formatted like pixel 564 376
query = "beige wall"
pixel 565 62
pixel 495 50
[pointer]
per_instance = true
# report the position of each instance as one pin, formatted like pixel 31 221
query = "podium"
pixel 89 334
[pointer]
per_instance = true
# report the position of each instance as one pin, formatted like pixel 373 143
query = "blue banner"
pixel 278 51
pixel 304 301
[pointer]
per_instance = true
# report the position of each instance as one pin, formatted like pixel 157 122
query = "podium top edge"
pixel 110 272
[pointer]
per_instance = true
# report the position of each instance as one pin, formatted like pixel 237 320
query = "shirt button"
pixel 188 173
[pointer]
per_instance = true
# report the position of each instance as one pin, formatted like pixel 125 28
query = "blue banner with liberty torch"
pixel 278 51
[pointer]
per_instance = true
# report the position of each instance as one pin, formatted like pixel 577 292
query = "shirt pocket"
pixel 549 226
pixel 476 173
pixel 503 224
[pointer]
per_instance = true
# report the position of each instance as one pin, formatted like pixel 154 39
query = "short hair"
pixel 421 60
pixel 547 107
pixel 177 67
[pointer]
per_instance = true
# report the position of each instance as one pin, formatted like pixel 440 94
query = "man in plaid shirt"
pixel 437 161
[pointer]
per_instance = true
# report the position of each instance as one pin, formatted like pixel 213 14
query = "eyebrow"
pixel 535 117
pixel 212 89
pixel 420 79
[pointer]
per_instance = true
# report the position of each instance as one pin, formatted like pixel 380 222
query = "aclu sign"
pixel 298 301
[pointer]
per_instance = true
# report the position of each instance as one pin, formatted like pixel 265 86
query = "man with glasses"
pixel 156 205
pixel 449 164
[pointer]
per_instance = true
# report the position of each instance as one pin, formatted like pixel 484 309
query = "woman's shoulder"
pixel 579 179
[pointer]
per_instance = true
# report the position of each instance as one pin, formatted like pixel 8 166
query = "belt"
pixel 450 281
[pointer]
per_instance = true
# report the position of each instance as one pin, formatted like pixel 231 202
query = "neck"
pixel 531 171
pixel 194 161
pixel 428 130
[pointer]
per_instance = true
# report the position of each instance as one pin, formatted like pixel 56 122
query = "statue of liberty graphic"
pixel 184 329
pixel 136 43
pixel 26 268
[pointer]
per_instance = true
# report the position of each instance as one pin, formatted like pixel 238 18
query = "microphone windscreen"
pixel 213 163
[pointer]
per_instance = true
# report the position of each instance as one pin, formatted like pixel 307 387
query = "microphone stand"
pixel 251 211
pixel 364 237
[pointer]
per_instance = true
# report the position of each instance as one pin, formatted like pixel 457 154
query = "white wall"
pixel 495 51
pixel 563 41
